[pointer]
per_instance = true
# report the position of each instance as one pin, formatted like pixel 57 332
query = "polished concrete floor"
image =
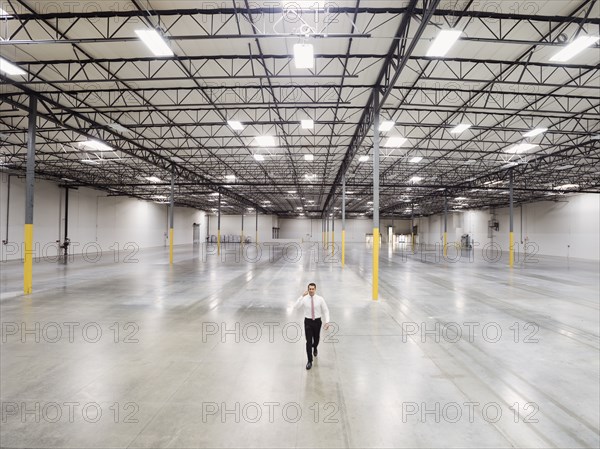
pixel 206 353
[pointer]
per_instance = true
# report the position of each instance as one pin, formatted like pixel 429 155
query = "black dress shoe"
pixel 309 365
pixel 315 352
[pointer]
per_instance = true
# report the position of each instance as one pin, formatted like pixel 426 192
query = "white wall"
pixel 95 219
pixel 567 228
pixel 356 229
pixel 232 224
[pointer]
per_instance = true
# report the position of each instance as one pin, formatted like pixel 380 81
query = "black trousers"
pixel 312 331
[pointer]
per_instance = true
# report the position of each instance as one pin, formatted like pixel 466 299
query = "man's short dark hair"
pixel 312 283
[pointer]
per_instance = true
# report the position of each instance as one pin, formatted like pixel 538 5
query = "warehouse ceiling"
pixel 157 116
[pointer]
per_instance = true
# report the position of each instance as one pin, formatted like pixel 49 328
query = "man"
pixel 314 308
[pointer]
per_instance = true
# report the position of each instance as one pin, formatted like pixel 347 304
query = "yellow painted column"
pixel 343 248
pixel 171 246
pixel 375 264
pixel 28 267
pixel 445 244
pixel 511 250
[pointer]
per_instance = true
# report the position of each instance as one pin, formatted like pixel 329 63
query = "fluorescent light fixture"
pixel 443 42
pixel 460 128
pixel 299 208
pixel 10 69
pixel 153 179
pixel 394 142
pixel 230 177
pixel 90 161
pixel 574 48
pixel 416 179
pixel 310 176
pixel 291 192
pixel 259 157
pixel 565 167
pixel 119 128
pixel 509 165
pixel 386 125
pixel 493 182
pixel 159 197
pixel 520 148
pixel 304 56
pixel 214 194
pixel 460 198
pixel 535 132
pixel 349 193
pixel 307 124
pixel 416 159
pixel 309 157
pixel 363 158
pixel 154 42
pixel 265 141
pixel 566 186
pixel 235 125
pixel 95 145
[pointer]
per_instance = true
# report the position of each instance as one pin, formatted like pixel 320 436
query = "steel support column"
pixel 219 226
pixel 412 227
pixel 171 216
pixel 376 196
pixel 343 220
pixel 332 233
pixel 30 183
pixel 445 243
pixel 511 237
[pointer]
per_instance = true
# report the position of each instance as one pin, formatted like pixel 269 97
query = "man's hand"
pixel 326 326
pixel 305 293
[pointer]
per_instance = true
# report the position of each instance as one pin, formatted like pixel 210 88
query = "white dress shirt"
pixel 320 307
